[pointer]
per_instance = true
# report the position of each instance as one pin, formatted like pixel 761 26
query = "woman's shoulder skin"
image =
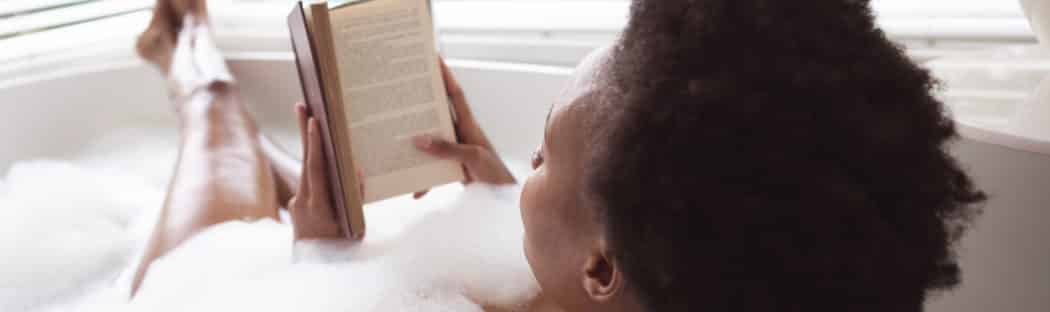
pixel 540 304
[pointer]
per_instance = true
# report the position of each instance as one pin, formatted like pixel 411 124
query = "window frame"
pixel 550 32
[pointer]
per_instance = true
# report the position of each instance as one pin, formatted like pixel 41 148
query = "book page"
pixel 393 91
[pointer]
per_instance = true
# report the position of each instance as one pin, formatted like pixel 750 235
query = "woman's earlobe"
pixel 603 280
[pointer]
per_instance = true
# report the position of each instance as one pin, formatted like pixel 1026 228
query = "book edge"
pixel 354 213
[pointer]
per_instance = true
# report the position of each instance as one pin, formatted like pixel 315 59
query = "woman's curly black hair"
pixel 776 155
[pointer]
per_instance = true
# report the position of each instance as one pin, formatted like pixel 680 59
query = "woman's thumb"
pixel 444 149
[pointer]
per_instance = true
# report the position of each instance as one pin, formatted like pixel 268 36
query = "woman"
pixel 745 155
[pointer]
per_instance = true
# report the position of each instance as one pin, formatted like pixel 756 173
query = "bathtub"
pixel 51 106
pixel 51 111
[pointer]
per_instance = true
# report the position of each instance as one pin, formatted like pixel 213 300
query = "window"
pixel 954 19
pixel 554 32
pixel 963 8
pixel 933 28
pixel 499 29
pixel 19 17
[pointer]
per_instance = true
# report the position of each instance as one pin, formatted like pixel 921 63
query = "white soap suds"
pixel 79 225
pixel 467 252
pixel 66 227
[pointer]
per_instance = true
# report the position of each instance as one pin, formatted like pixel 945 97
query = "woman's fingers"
pixel 467 128
pixel 304 181
pixel 452 89
pixel 360 182
pixel 301 116
pixel 315 163
pixel 456 95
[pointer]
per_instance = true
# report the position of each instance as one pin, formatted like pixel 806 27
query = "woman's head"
pixel 749 155
pixel 565 238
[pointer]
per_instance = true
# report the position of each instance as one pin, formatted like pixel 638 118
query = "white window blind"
pixel 19 17
pixel 540 31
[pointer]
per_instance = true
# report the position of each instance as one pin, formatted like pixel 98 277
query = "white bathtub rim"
pixel 1002 138
pixel 119 58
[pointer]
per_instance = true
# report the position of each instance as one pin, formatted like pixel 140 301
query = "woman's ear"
pixel 603 279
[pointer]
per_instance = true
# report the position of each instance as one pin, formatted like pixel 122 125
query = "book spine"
pixel 354 212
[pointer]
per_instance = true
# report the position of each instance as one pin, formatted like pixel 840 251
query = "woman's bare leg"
pixel 221 173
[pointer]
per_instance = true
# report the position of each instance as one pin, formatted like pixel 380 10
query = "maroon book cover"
pixel 313 92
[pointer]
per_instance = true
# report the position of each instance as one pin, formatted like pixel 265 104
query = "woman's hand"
pixel 313 215
pixel 474 151
pixel 312 212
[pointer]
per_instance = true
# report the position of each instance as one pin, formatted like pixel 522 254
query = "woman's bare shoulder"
pixel 540 304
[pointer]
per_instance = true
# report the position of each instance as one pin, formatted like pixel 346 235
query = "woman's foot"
pixel 157 43
pixel 178 41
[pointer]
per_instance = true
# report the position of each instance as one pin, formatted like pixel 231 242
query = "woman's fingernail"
pixel 423 141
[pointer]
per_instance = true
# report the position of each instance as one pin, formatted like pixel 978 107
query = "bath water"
pixel 77 226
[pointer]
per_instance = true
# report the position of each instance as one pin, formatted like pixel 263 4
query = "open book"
pixel 370 76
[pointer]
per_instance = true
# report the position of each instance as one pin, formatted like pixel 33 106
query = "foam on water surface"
pixel 65 227
pixel 79 225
